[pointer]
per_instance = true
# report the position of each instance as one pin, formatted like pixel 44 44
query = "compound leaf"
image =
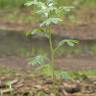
pixel 51 20
pixel 38 60
pixel 69 42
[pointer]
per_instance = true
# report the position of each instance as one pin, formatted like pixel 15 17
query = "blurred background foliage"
pixel 20 3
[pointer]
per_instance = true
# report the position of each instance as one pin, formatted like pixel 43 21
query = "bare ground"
pixel 66 63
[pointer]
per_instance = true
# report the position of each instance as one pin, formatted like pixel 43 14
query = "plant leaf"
pixel 38 31
pixel 80 76
pixel 63 74
pixel 51 21
pixel 69 42
pixel 37 3
pixel 35 31
pixel 40 93
pixel 46 70
pixel 45 11
pixel 38 60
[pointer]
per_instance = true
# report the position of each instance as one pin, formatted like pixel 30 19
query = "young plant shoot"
pixel 51 15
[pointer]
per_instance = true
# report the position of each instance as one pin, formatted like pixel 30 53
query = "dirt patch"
pixel 77 63
pixel 32 86
pixel 65 63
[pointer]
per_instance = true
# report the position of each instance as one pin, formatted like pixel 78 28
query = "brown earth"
pixel 66 63
pixel 31 86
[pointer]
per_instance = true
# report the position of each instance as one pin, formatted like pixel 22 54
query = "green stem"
pixel 52 53
pixel 52 59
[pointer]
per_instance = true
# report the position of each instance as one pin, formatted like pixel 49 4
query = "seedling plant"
pixel 51 14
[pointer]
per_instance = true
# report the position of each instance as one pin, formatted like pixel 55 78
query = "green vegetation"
pixel 5 71
pixel 89 73
pixel 20 3
pixel 51 15
pixel 90 2
pixel 17 12
pixel 11 3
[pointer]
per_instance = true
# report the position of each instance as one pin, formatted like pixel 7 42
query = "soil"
pixel 32 86
pixel 68 63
